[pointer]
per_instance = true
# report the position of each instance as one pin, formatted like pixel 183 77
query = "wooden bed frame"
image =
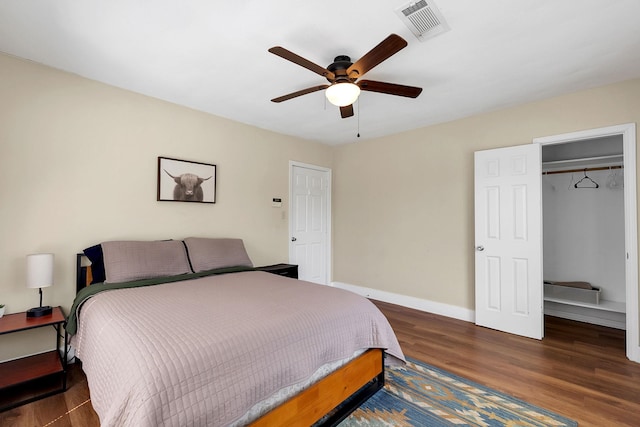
pixel 330 400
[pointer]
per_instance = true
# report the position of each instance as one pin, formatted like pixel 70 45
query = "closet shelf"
pixel 605 305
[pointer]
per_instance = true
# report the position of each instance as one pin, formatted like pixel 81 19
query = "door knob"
pixel 480 248
pixel 293 239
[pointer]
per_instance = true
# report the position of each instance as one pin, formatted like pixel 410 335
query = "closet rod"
pixel 601 168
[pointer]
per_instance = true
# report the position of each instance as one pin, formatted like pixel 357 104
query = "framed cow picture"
pixel 186 181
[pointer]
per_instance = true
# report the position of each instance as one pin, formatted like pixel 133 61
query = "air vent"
pixel 423 19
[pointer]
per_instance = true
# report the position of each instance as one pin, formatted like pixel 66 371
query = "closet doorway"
pixel 590 228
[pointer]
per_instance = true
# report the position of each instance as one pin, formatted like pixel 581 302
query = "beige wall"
pixel 78 166
pixel 79 163
pixel 403 205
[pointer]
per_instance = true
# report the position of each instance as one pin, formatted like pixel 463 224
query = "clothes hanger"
pixel 595 184
pixel 614 180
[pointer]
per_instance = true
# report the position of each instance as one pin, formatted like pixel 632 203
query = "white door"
pixel 310 222
pixel 508 239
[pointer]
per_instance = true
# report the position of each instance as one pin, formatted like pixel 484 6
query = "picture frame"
pixel 186 181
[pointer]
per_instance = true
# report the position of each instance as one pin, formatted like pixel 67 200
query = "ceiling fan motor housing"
pixel 339 68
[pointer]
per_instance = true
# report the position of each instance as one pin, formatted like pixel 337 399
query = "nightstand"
pixel 29 368
pixel 287 270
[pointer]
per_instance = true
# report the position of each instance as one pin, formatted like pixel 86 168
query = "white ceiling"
pixel 212 55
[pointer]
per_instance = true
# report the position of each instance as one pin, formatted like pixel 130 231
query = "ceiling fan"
pixel 344 87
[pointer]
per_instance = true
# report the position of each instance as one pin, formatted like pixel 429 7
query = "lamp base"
pixel 39 311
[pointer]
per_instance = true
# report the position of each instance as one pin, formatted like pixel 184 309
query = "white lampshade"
pixel 342 94
pixel 39 270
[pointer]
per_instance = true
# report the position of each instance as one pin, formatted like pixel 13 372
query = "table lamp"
pixel 39 275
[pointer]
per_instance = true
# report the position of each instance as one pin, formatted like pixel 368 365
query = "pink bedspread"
pixel 204 351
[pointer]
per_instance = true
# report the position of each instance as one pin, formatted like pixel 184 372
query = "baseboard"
pixel 410 302
pixel 70 354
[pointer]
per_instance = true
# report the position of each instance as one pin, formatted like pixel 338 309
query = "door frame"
pixel 628 133
pixel 328 213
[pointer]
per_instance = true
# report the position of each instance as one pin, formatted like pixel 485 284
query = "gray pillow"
pixel 209 253
pixel 125 261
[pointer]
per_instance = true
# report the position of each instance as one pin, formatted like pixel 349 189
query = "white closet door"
pixel 508 238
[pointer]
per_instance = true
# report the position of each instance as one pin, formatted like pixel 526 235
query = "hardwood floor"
pixel 578 370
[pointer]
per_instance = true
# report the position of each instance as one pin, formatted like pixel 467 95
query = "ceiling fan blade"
pixel 386 48
pixel 390 88
pixel 299 93
pixel 297 59
pixel 346 111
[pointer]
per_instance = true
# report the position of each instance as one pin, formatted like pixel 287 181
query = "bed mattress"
pixel 205 351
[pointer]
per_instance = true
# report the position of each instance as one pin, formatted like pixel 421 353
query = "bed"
pixel 187 332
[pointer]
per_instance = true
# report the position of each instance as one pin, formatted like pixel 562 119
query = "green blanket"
pixel 89 291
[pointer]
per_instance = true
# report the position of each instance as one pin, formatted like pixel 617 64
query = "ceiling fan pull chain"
pixel 358 135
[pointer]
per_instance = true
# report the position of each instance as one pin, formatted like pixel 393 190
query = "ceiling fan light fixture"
pixel 342 94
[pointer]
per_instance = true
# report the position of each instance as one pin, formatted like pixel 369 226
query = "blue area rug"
pixel 422 395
